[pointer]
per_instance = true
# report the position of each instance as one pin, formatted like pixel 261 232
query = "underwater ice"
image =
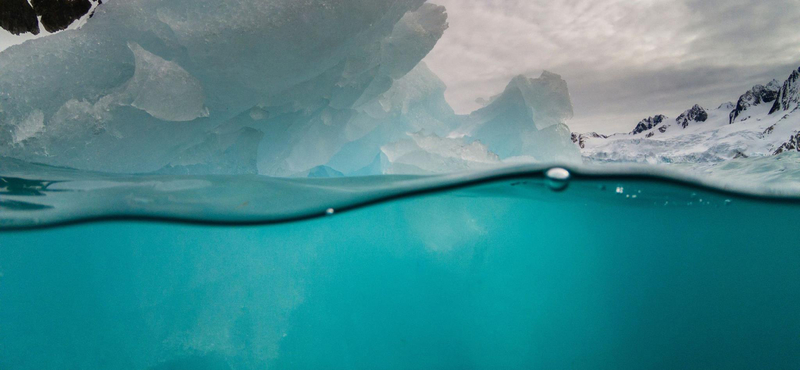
pixel 280 88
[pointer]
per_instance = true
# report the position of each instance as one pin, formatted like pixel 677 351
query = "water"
pixel 500 270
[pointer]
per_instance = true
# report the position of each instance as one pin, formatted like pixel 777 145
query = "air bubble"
pixel 330 211
pixel 558 179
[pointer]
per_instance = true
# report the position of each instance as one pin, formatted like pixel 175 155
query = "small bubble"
pixel 728 202
pixel 558 179
pixel 620 190
pixel 330 211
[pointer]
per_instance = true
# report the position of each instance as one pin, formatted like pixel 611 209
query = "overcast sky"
pixel 623 59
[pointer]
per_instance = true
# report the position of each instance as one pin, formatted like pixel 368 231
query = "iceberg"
pixel 526 119
pixel 276 88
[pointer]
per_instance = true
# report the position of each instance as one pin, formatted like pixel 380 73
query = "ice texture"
pixel 526 120
pixel 426 153
pixel 163 89
pixel 278 88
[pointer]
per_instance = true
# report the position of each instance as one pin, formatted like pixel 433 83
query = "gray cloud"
pixel 622 59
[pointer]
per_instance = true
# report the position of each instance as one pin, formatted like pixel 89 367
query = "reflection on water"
pixel 23 187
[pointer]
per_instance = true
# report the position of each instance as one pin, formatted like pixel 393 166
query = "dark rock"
pixel 648 124
pixel 580 139
pixel 792 145
pixel 695 114
pixel 758 95
pixel 18 17
pixel 789 95
pixel 57 15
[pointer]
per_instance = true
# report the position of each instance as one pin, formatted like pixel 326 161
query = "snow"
pixel 751 128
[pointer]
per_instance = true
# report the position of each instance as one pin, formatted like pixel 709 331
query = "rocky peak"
pixel 648 124
pixel 727 106
pixel 758 95
pixel 580 139
pixel 789 95
pixel 695 114
pixel 790 146
pixel 22 16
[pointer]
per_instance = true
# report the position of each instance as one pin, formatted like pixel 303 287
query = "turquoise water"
pixel 610 273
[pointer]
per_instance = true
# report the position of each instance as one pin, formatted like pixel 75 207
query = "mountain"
pixel 788 98
pixel 648 124
pixel 764 121
pixel 759 95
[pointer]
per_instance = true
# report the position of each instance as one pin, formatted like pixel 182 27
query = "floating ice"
pixel 527 119
pixel 279 88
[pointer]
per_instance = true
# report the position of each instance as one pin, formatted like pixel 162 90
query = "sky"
pixel 623 60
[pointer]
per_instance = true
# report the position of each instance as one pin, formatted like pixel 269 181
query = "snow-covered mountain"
pixel 765 121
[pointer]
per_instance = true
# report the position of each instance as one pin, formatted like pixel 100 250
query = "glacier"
pixel 280 88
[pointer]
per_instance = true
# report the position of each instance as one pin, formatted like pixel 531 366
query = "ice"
pixel 164 89
pixel 526 120
pixel 424 153
pixel 232 153
pixel 279 88
pixel 29 127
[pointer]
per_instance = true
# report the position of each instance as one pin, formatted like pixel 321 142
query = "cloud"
pixel 622 59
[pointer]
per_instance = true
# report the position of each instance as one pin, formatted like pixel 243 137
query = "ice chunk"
pixel 126 110
pixel 29 127
pixel 527 119
pixel 164 89
pixel 280 87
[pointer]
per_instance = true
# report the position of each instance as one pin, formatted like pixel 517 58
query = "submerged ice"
pixel 280 88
